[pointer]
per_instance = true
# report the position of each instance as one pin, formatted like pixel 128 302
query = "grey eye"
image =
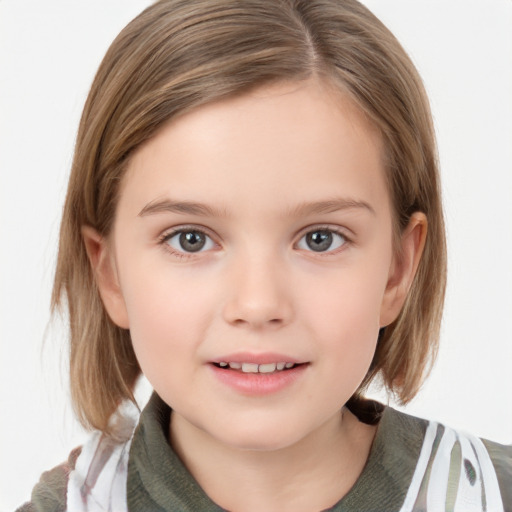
pixel 190 241
pixel 321 240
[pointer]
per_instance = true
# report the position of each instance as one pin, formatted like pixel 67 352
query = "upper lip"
pixel 263 358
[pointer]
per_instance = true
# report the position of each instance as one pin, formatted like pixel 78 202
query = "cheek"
pixel 350 335
pixel 168 313
pixel 343 314
pixel 349 299
pixel 351 332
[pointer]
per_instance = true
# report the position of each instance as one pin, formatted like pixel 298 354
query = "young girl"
pixel 254 222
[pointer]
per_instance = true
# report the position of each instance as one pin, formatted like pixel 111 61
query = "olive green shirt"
pixel 157 480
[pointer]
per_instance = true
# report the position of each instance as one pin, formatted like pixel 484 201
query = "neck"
pixel 311 474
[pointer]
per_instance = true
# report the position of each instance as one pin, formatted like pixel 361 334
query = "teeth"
pixel 255 368
pixel 249 368
pixel 267 368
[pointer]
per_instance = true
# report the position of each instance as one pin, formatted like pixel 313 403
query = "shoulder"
pixel 501 457
pixel 93 478
pixel 454 468
pixel 49 494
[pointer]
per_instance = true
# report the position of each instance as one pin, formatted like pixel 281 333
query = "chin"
pixel 260 437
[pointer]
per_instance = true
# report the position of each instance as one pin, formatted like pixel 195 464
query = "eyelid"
pixel 338 230
pixel 170 232
pixel 175 230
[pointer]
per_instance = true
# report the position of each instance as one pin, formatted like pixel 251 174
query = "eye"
pixel 189 240
pixel 322 240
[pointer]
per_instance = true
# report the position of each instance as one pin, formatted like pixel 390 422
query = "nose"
pixel 259 295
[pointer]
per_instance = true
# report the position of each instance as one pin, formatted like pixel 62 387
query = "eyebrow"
pixel 330 206
pixel 185 207
pixel 204 210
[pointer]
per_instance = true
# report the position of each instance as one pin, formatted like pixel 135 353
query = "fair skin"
pixel 258 230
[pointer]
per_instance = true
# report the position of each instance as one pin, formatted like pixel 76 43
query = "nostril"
pixel 256 298
pixel 242 321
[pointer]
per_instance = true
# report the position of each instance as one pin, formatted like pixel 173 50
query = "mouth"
pixel 267 368
pixel 258 374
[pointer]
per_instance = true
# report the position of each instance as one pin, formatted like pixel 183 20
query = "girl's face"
pixel 255 234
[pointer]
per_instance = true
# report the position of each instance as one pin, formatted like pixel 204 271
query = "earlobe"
pixel 103 266
pixel 404 267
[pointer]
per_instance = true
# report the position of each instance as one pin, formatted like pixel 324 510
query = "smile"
pixel 260 378
pixel 256 368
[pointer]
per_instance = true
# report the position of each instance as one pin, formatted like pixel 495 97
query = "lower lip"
pixel 259 383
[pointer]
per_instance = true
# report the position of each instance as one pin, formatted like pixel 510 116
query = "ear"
pixel 104 269
pixel 403 268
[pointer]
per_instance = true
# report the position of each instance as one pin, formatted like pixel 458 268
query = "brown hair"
pixel 179 54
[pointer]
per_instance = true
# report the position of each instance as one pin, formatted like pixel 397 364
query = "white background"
pixel 49 51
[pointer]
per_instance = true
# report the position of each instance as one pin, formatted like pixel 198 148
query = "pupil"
pixel 319 240
pixel 192 241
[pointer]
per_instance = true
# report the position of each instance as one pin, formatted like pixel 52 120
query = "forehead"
pixel 273 148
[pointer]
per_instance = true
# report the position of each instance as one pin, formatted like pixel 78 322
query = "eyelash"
pixel 330 229
pixel 168 235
